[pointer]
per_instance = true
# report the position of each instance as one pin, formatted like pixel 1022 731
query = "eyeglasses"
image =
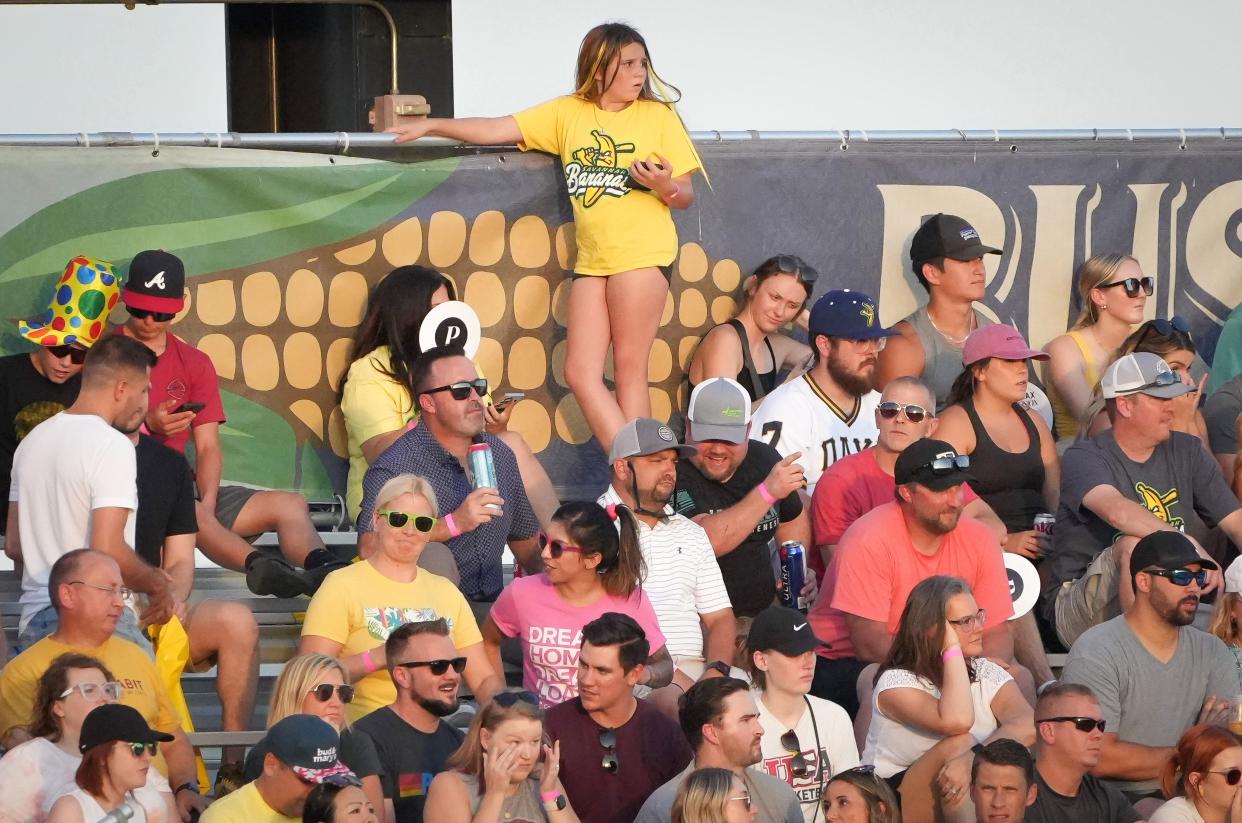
pixel 947 465
pixel 119 591
pixel 745 798
pixel 111 691
pixel 797 763
pixel 1132 285
pixel 1083 724
pixel 508 699
pixel 323 692
pixel 76 355
pixel 1232 777
pixel 1180 577
pixel 889 410
pixel 438 667
pixel 788 264
pixel 143 314
pixel 558 547
pixel 973 621
pixel 397 519
pixel 608 739
pixel 462 389
pixel 137 749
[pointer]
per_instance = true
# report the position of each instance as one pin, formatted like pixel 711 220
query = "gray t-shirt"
pixel 942 361
pixel 1180 477
pixel 1096 802
pixel 1220 412
pixel 772 797
pixel 1143 700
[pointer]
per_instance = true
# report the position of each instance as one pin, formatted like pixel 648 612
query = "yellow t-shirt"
pixel 373 403
pixel 129 664
pixel 359 607
pixel 245 805
pixel 617 228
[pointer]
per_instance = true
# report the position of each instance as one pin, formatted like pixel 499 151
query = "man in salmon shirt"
pixel 889 550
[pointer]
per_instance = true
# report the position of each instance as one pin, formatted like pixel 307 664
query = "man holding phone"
pixel 185 402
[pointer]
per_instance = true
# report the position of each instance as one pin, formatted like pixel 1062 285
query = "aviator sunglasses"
pixel 323 692
pixel 889 410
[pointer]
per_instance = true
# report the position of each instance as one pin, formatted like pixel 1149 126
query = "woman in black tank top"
pixel 750 348
pixel 1012 453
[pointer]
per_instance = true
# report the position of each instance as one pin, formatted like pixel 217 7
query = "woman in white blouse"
pixel 936 698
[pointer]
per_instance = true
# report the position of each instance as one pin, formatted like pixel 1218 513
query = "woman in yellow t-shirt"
pixel 627 161
pixel 375 393
pixel 357 607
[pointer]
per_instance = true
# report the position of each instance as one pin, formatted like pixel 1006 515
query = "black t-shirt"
pixel 747 570
pixel 1095 802
pixel 357 752
pixel 165 498
pixel 27 398
pixel 408 758
pixel 651 750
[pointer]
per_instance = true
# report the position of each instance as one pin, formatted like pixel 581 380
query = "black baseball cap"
pixel 784 630
pixel 932 463
pixel 1166 550
pixel 156 282
pixel 114 721
pixel 947 235
pixel 308 745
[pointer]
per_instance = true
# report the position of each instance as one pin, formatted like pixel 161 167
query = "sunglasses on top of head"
pixel 556 548
pixel 1133 285
pixel 77 356
pixel 461 390
pixel 397 519
pixel 947 465
pixel 1175 326
pixel 889 410
pixel 788 264
pixel 157 316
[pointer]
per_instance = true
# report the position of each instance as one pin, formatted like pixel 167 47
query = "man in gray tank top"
pixel 947 256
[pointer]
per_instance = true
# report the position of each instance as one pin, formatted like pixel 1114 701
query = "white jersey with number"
pixel 800 417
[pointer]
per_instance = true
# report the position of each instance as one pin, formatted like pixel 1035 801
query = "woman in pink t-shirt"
pixel 592 565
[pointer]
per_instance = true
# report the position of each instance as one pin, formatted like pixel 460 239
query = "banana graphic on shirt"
pixel 604 154
pixel 1158 504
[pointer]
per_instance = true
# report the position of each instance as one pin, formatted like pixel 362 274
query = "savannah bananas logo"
pixel 1159 503
pixel 597 170
pixel 868 313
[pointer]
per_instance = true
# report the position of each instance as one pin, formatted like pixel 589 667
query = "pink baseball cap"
pixel 998 340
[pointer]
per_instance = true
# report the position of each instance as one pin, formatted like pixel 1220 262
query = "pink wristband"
pixel 767 496
pixel 368 662
pixel 549 797
pixel 451 526
pixel 673 196
pixel 950 653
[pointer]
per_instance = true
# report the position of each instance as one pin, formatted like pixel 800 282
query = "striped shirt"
pixel 683 578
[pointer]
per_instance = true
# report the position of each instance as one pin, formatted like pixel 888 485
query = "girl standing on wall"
pixel 627 161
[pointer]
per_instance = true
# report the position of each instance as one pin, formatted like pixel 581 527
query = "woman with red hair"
pixel 1203 778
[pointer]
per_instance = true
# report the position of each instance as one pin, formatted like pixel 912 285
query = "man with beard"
pixel 741 492
pixel 829 411
pixel 885 554
pixel 721 722
pixel 1069 731
pixel 411 738
pixel 683 579
pixel 642 748
pixel 74 485
pixel 1121 485
pixel 1154 674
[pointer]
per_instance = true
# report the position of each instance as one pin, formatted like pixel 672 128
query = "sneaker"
pixel 268 574
pixel 315 575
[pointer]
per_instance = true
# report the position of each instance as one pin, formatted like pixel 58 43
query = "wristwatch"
pixel 554 804
pixel 719 666
pixel 188 786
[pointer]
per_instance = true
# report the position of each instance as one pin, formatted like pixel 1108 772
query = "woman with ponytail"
pixel 1203 777
pixel 592 565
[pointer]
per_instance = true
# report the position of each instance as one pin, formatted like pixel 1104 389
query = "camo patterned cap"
pixel 85 293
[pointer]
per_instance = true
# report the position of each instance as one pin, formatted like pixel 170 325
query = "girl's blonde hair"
pixel 299 676
pixel 703 796
pixel 469 755
pixel 1223 625
pixel 407 484
pixel 1093 273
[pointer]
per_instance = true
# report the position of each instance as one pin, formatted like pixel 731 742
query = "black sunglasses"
pixel 143 314
pixel 508 699
pixel 1232 777
pixel 1175 325
pixel 137 749
pixel 323 692
pixel 558 547
pixel 76 355
pixel 1132 286
pixel 947 465
pixel 797 763
pixel 608 739
pixel 889 409
pixel 397 519
pixel 461 390
pixel 438 667
pixel 788 264
pixel 1083 724
pixel 1180 577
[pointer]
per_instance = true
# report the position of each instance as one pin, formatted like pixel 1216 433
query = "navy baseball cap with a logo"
pixel 156 282
pixel 852 315
pixel 719 410
pixel 307 745
pixel 947 235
